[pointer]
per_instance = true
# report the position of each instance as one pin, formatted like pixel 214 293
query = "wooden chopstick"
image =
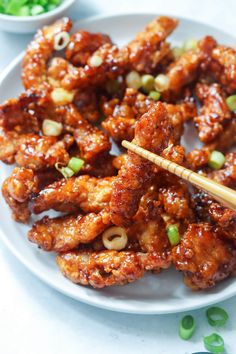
pixel 222 194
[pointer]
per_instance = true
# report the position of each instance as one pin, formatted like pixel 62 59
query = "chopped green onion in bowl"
pixel 154 95
pixel 216 316
pixel 216 160
pixel 187 327
pixel 27 7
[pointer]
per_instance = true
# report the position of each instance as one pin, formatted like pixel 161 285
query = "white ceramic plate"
pixel 153 294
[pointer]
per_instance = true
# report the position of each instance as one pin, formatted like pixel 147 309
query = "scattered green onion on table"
pixel 27 7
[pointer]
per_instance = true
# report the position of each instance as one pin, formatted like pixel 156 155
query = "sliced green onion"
pixel 75 164
pixel 147 82
pixel 231 102
pixel 214 343
pixel 177 51
pixel 154 95
pixel 161 82
pixel 24 11
pixel 190 44
pixel 37 10
pixel 64 170
pixel 216 316
pixel 187 327
pixel 173 234
pixel 133 80
pixel 216 160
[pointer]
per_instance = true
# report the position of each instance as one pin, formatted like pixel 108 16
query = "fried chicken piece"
pixel 8 145
pixel 82 45
pixel 39 152
pixel 214 112
pixel 186 68
pixel 203 257
pixel 100 269
pixel 198 158
pixel 15 114
pixel 108 268
pixel 17 190
pixel 39 51
pixel 152 132
pixel 121 123
pixel 87 103
pixel 148 227
pixel 91 141
pixel 176 200
pixel 104 167
pixel 227 174
pixel 65 233
pixel 148 48
pixel 224 218
pixel 107 63
pixel 226 58
pixel 89 194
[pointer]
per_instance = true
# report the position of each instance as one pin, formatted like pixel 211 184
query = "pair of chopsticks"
pixel 222 194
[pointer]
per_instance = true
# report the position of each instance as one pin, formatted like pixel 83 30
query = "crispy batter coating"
pixel 91 141
pixel 203 257
pixel 65 233
pixel 103 167
pixel 225 219
pixel 89 194
pixel 186 68
pixel 176 200
pixel 112 63
pixel 15 114
pixel 87 103
pixel 17 190
pixel 148 48
pixel 120 124
pixel 39 51
pixel 226 58
pixel 152 132
pixel 100 269
pixel 82 45
pixel 214 112
pixel 38 152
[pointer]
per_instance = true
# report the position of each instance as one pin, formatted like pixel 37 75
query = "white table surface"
pixel 35 319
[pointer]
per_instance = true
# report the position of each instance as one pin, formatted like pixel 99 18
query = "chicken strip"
pixel 203 257
pixel 225 57
pixel 213 114
pixel 89 194
pixel 107 268
pixel 148 48
pixel 39 51
pixel 152 132
pixel 186 68
pixel 65 233
pixel 17 191
pixel 82 45
pixel 39 152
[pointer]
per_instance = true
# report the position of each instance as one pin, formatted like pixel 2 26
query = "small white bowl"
pixel 29 24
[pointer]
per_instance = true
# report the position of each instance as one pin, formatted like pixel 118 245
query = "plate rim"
pixel 43 277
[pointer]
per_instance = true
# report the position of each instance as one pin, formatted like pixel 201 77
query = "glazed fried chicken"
pixel 153 132
pixel 65 233
pixel 86 193
pixel 148 48
pixel 203 257
pixel 83 93
pixel 214 112
pixel 82 45
pixel 17 190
